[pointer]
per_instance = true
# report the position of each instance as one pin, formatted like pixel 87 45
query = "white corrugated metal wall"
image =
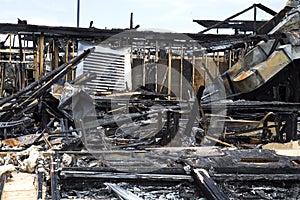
pixel 110 67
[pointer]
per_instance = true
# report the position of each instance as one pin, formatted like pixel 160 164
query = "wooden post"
pixel 156 70
pixel 22 75
pixel 218 65
pixel 144 65
pixel 230 52
pixel 67 59
pixel 131 56
pixel 73 55
pixel 193 71
pixel 36 65
pixel 206 63
pixel 181 72
pixel 56 54
pixel 10 44
pixel 254 22
pixel 67 51
pixel 169 73
pixel 41 55
pixel 2 79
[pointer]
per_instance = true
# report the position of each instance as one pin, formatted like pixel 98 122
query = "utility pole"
pixel 78 11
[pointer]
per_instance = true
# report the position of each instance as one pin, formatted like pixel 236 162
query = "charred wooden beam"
pixel 207 185
pixel 256 177
pixel 2 182
pixel 124 194
pixel 268 26
pixel 206 40
pixel 242 25
pixel 163 170
pixel 58 31
pixel 89 175
pixel 264 8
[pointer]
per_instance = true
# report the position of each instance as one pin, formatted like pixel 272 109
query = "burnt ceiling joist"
pixel 223 41
pixel 242 25
pixel 229 23
pixel 57 31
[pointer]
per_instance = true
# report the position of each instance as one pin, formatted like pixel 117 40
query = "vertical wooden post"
pixel 73 55
pixel 36 64
pixel 254 23
pixel 10 44
pixel 144 65
pixel 229 63
pixel 169 73
pixel 67 51
pixel 156 69
pixel 206 63
pixel 193 71
pixel 181 72
pixel 22 75
pixel 56 54
pixel 131 56
pixel 67 59
pixel 218 65
pixel 41 55
pixel 2 79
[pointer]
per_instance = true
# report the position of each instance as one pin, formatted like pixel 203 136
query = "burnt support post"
pixel 291 128
pixel 169 73
pixel 172 126
pixel 21 68
pixel 254 21
pixel 54 181
pixel 55 54
pixel 2 182
pixel 41 55
pixel 131 21
pixel 40 185
pixel 288 131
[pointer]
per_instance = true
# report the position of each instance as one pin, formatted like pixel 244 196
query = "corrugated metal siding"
pixel 110 70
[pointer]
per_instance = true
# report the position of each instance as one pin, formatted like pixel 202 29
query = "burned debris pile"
pixel 25 115
pixel 150 120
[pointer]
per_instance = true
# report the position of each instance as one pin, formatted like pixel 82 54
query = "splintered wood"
pixel 20 187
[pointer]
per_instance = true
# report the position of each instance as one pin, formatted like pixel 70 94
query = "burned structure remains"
pixel 91 113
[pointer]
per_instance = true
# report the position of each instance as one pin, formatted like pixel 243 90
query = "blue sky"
pixel 173 15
